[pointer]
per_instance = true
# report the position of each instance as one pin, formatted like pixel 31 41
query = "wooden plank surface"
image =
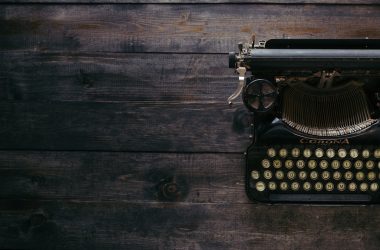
pixel 116 77
pixel 207 28
pixel 145 80
pixel 134 177
pixel 335 2
pixel 26 224
pixel 124 127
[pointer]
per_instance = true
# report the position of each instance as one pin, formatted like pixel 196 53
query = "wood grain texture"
pixel 102 77
pixel 118 225
pixel 335 2
pixel 78 81
pixel 134 177
pixel 207 28
pixel 124 127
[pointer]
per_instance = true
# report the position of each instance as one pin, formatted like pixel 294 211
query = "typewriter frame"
pixel 286 57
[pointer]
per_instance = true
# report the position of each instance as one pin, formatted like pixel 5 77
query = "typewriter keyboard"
pixel 314 174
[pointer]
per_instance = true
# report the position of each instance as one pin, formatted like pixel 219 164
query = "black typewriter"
pixel 316 110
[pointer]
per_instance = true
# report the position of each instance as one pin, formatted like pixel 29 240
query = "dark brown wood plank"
pixel 337 2
pixel 210 178
pixel 123 126
pixel 119 225
pixel 176 27
pixel 115 77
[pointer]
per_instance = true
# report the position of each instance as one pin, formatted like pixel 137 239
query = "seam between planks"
pixel 93 2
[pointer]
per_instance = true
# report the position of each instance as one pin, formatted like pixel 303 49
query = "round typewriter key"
pixel 335 164
pixel 358 164
pixel 354 153
pixel 365 153
pixel 271 152
pixel 337 175
pixel 307 152
pixel 378 165
pixel 319 152
pixel 265 163
pixel 352 186
pixel 342 153
pixel 295 152
pixel 323 164
pixel 295 186
pixel 255 175
pixel 267 174
pixel 300 164
pixel 325 175
pixel 359 176
pixel 314 175
pixel 330 153
pixel 371 176
pixel 329 186
pixel 283 152
pixel 341 186
pixel 370 164
pixel 306 186
pixel 348 175
pixel 377 153
pixel 260 186
pixel 291 175
pixel 279 175
pixel 277 163
pixel 289 164
pixel 363 187
pixel 346 164
pixel 312 164
pixel 318 186
pixel 272 185
pixel 302 175
pixel 284 186
pixel 374 187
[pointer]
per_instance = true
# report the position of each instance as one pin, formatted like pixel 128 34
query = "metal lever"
pixel 326 79
pixel 241 71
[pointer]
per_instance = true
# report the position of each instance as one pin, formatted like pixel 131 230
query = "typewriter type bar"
pixel 316 108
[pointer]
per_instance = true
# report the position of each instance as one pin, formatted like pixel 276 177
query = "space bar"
pixel 320 197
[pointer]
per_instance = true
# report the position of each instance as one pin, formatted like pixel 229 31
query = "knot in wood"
pixel 37 219
pixel 170 191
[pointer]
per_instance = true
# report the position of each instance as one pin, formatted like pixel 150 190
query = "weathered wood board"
pixel 116 77
pixel 203 28
pixel 335 2
pixel 123 127
pixel 125 225
pixel 115 176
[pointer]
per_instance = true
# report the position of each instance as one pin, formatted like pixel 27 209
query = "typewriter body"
pixel 316 133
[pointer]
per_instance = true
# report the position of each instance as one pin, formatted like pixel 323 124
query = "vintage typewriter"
pixel 316 109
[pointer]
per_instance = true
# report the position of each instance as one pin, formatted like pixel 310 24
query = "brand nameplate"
pixel 327 142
